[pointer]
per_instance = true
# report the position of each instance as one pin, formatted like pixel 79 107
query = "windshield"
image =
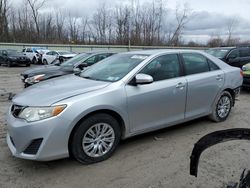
pixel 13 52
pixel 220 53
pixel 77 59
pixel 113 68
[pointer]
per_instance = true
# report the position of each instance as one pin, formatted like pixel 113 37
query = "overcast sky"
pixel 211 17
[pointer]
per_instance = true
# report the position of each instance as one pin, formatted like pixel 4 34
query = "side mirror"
pixel 82 66
pixel 231 56
pixel 143 79
pixel 77 70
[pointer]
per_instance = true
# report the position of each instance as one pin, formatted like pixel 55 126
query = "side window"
pixel 54 53
pixel 195 63
pixel 212 65
pixel 49 53
pixel 23 50
pixel 163 67
pixel 234 54
pixel 245 53
pixel 91 60
pixel 101 57
pixel 29 50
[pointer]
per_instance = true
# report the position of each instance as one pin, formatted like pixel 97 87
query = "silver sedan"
pixel 86 115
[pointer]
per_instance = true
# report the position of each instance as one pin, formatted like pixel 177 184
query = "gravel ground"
pixel 156 160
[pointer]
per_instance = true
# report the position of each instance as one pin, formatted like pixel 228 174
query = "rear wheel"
pixel 45 62
pixel 95 139
pixel 34 60
pixel 222 108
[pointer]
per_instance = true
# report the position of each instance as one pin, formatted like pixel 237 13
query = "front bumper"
pixel 20 62
pixel 246 81
pixel 52 133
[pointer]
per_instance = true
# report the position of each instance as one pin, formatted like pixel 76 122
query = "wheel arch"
pixel 231 91
pixel 113 113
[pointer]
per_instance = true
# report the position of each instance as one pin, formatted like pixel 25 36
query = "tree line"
pixel 130 24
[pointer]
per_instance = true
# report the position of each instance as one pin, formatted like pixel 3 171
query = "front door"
pixel 162 102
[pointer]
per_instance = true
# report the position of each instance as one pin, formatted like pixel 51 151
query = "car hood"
pixel 68 55
pixel 41 70
pixel 51 91
pixel 17 56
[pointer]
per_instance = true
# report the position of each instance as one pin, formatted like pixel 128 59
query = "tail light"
pixel 241 73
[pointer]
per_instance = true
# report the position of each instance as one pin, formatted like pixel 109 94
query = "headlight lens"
pixel 35 79
pixel 31 114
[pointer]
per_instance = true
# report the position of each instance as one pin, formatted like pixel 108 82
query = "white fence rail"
pixel 84 48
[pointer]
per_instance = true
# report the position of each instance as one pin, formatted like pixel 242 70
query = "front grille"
pixel 34 146
pixel 16 110
pixel 246 80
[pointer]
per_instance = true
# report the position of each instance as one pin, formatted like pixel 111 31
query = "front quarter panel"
pixel 110 98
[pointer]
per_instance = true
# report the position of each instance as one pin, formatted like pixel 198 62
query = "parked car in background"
pixel 12 57
pixel 246 76
pixel 50 56
pixel 86 115
pixel 77 63
pixel 40 53
pixel 32 53
pixel 234 56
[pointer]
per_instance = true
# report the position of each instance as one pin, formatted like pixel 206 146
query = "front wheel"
pixel 34 60
pixel 95 139
pixel 9 64
pixel 222 107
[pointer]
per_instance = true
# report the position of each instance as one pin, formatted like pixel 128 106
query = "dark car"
pixel 246 76
pixel 75 64
pixel 12 57
pixel 234 56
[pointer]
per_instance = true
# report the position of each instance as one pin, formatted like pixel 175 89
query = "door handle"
pixel 219 77
pixel 180 85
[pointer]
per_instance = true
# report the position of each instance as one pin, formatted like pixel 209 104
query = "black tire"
pixel 215 114
pixel 76 145
pixel 45 62
pixel 34 61
pixel 9 64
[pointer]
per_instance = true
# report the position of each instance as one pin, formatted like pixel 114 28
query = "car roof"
pixel 161 51
pixel 222 48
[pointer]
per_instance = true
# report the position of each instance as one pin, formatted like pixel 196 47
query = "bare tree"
pixel 35 6
pixel 4 30
pixel 183 16
pixel 60 20
pixel 231 24
pixel 73 29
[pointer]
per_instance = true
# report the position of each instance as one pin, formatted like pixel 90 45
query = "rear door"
pixel 204 80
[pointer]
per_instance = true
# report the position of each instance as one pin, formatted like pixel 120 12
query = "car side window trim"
pixel 181 71
pixel 233 51
pixel 207 60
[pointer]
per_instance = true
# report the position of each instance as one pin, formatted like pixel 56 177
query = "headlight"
pixel 244 68
pixel 31 114
pixel 35 79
